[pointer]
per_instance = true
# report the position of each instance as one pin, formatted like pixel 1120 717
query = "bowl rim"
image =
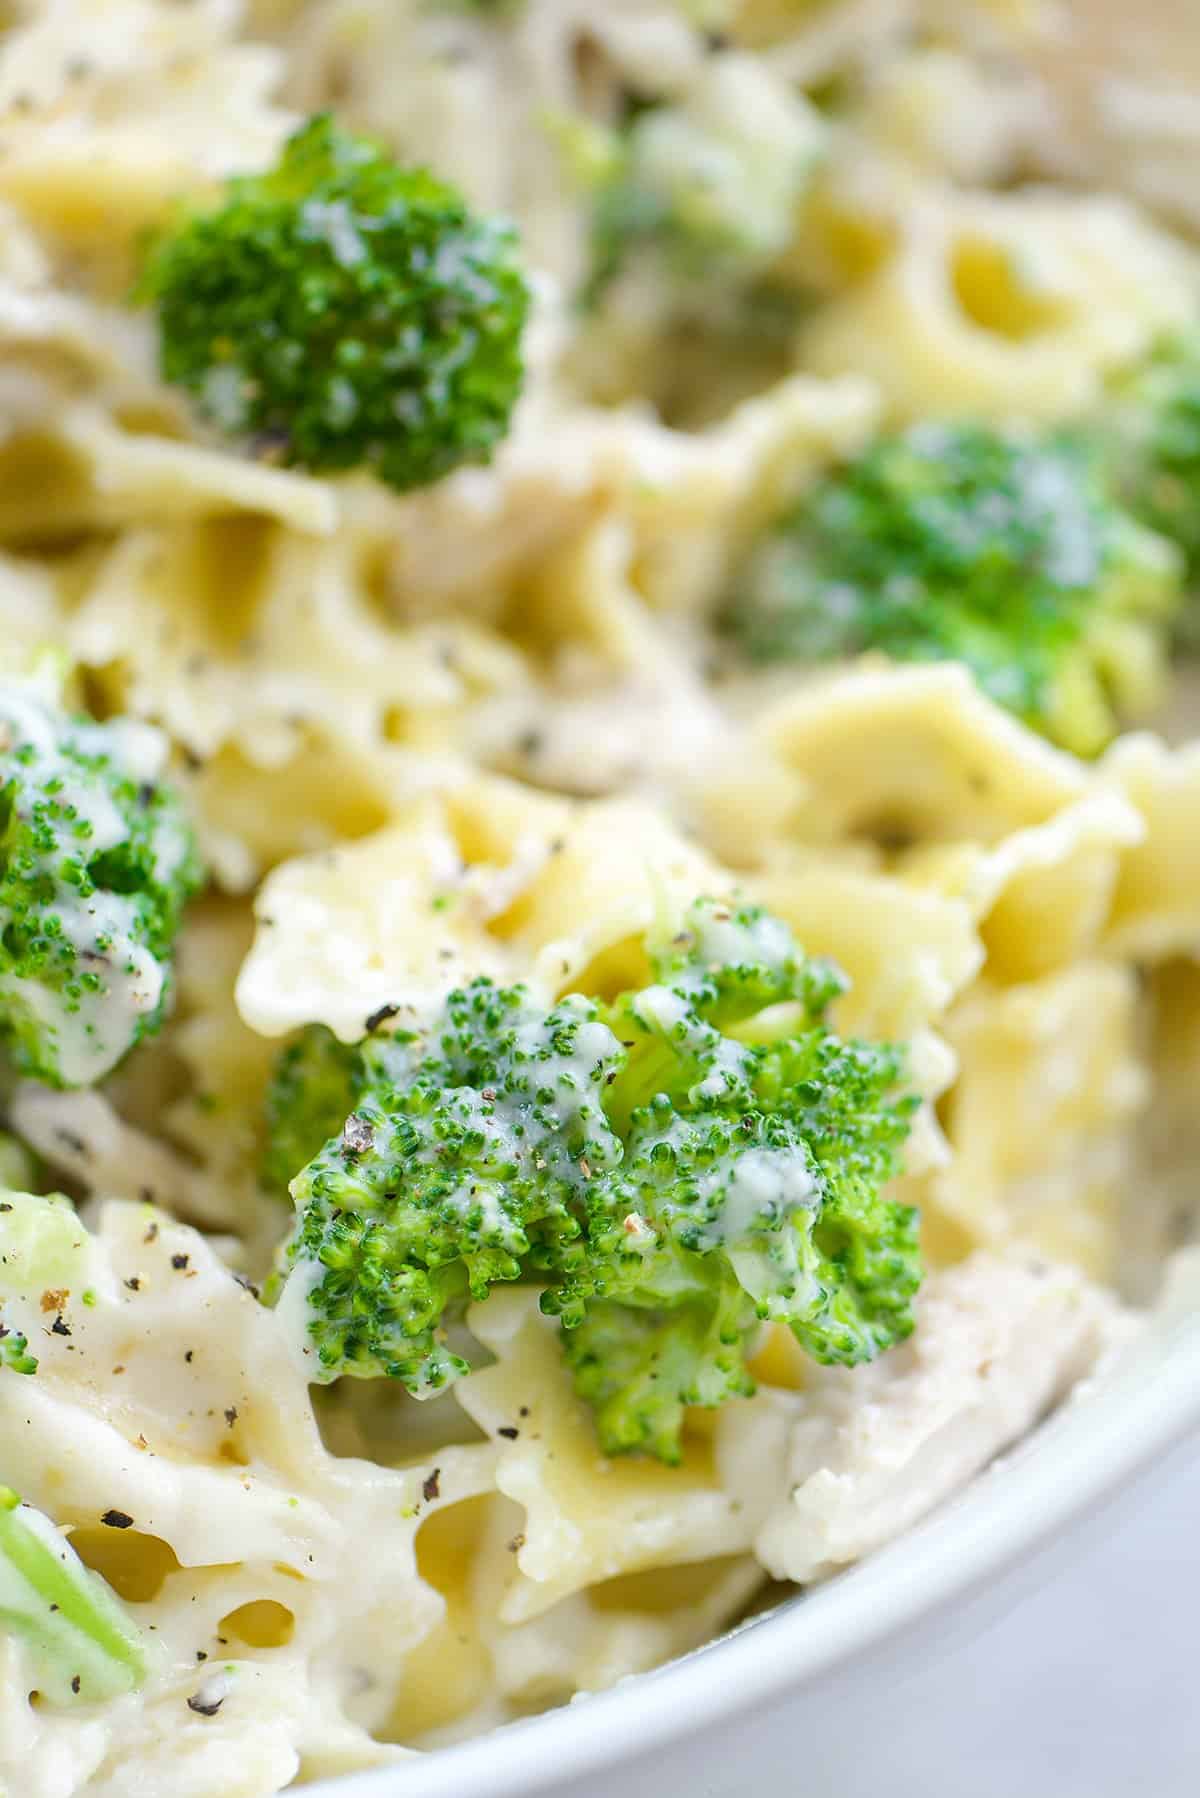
pixel 1115 1426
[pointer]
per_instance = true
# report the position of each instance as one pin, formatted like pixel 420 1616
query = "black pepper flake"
pixel 358 1135
pixel 380 1016
pixel 509 1431
pixel 516 1545
pixel 251 1288
pixel 179 1261
pixel 188 1353
pixel 5 1206
pixel 202 1654
pixel 204 1707
pixel 134 1283
pixel 59 1328
pixel 430 1486
pixel 151 1229
pixel 117 1520
pixel 231 1415
pixel 524 1411
pixel 76 1682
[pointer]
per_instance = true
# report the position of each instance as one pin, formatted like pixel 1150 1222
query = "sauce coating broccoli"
pixel 960 542
pixel 96 865
pixel 83 1646
pixel 672 1168
pixel 345 311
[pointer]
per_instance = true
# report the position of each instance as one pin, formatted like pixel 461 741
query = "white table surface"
pixel 1088 1689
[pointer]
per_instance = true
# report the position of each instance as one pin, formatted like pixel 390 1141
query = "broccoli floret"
pixel 345 311
pixel 749 1188
pixel 96 865
pixel 671 1168
pixel 83 1646
pixel 461 1162
pixel 958 542
pixel 312 1090
pixel 1154 438
pixel 639 1364
pixel 707 186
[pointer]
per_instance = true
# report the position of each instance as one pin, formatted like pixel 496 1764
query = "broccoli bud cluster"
pixel 670 1168
pixel 96 865
pixel 342 311
pixel 966 543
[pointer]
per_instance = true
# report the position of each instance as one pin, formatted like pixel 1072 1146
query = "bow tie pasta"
pixel 599 903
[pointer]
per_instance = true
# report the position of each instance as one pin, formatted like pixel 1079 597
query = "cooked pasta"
pixel 496 728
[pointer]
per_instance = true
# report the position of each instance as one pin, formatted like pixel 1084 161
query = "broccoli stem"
pixel 83 1646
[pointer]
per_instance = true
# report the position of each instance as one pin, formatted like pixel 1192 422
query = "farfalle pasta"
pixel 648 1032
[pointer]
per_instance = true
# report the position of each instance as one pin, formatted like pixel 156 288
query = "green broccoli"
pixel 82 1645
pixel 671 1168
pixel 14 1350
pixel 43 1248
pixel 959 542
pixel 344 311
pixel 96 865
pixel 460 1162
pixel 313 1087
pixel 707 186
pixel 1152 431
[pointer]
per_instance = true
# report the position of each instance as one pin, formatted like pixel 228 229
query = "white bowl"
pixel 741 1709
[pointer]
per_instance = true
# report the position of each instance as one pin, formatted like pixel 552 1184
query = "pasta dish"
pixel 599 853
